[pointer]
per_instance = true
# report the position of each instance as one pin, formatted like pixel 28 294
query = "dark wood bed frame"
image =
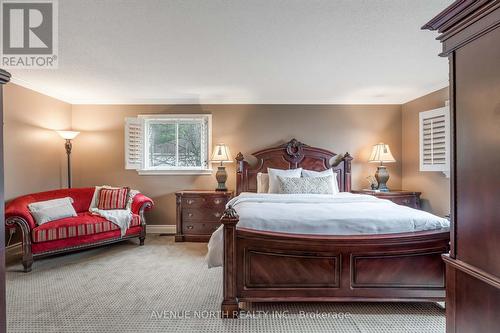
pixel 264 266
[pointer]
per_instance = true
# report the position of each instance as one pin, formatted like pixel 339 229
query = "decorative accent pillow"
pixel 274 173
pixel 113 198
pixel 310 185
pixel 262 182
pixel 327 172
pixel 51 210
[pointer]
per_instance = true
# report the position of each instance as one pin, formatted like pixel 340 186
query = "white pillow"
pixel 308 185
pixel 262 182
pixel 327 172
pixel 51 210
pixel 273 177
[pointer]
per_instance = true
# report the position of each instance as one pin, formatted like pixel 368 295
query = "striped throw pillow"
pixel 113 198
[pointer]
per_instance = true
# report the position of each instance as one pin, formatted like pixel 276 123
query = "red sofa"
pixel 73 233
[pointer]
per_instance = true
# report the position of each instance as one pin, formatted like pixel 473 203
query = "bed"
pixel 262 264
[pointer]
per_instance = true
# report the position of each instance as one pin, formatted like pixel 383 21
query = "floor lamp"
pixel 68 136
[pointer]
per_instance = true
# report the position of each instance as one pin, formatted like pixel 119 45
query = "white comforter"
pixel 318 214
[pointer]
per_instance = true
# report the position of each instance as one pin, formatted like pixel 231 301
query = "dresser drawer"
pixel 208 202
pixel 202 214
pixel 199 228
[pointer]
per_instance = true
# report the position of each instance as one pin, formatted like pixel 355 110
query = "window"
pixel 434 128
pixel 168 144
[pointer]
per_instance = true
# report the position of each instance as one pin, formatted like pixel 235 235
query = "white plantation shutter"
pixel 134 129
pixel 434 140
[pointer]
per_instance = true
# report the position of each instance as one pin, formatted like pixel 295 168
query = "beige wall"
pixel 435 187
pixel 35 159
pixel 99 150
pixel 34 153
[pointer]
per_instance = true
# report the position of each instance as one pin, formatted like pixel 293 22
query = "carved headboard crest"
pixel 291 155
pixel 294 148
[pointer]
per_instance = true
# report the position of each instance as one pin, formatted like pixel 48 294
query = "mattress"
pixel 317 214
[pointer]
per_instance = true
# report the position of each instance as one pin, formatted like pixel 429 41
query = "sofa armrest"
pixel 141 202
pixel 18 209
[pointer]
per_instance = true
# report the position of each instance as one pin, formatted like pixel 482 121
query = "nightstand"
pixel 199 213
pixel 405 198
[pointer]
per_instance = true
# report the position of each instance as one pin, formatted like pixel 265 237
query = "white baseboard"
pixel 161 229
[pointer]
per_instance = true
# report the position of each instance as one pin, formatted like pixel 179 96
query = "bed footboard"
pixel 264 266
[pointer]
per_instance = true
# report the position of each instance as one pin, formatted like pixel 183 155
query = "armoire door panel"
pixel 477 304
pixel 477 87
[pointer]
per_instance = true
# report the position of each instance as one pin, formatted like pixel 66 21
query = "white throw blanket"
pixel 319 214
pixel 119 217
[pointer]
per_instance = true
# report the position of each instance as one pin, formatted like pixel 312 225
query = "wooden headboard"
pixel 292 155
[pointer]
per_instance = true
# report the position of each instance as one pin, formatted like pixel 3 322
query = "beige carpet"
pixel 127 288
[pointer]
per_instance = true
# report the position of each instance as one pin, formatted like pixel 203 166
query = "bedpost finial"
pixel 239 157
pixel 230 216
pixel 347 156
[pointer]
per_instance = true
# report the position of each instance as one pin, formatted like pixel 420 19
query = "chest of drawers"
pixel 199 213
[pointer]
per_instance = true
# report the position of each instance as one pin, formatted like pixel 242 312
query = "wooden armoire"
pixel 470 33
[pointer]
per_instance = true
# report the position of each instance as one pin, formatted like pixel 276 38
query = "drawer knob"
pixel 190 227
pixel 190 214
pixel 218 201
pixel 217 214
pixel 190 202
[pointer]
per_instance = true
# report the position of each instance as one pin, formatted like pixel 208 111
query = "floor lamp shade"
pixel 68 136
pixel 221 154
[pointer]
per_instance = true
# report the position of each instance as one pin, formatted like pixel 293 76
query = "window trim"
pixel 175 170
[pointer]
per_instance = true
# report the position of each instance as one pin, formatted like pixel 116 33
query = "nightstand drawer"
pixel 199 228
pixel 199 214
pixel 405 201
pixel 197 202
pixel 404 198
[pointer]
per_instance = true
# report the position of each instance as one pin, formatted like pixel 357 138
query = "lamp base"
pixel 382 176
pixel 221 176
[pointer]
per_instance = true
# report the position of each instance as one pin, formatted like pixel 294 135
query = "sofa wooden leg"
pixel 27 262
pixel 142 236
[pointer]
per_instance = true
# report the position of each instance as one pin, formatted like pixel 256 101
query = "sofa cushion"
pixel 83 241
pixel 82 225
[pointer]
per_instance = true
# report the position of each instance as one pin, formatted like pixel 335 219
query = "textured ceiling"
pixel 236 51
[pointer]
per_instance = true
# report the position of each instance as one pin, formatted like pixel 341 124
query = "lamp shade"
pixel 221 153
pixel 68 135
pixel 381 154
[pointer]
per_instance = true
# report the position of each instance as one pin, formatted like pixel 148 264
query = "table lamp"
pixel 221 154
pixel 381 154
